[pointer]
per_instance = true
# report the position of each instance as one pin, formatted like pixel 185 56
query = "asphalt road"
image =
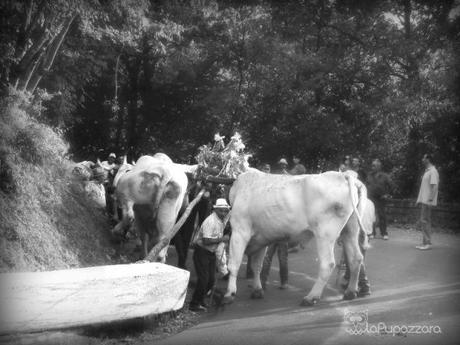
pixel 415 300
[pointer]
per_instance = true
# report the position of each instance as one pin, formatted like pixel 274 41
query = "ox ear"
pixel 172 190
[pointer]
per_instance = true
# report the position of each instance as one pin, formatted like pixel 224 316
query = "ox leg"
pixel 166 218
pixel 325 248
pixel 355 259
pixel 257 260
pixel 114 208
pixel 238 244
pixel 163 254
pixel 145 244
pixel 122 227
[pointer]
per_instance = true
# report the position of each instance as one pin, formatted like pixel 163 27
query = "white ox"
pixel 152 193
pixel 268 208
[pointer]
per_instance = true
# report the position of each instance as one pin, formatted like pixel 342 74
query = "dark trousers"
pixel 380 204
pixel 282 249
pixel 109 203
pixel 425 223
pixel 205 267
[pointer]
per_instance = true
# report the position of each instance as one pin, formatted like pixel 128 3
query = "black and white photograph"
pixel 229 172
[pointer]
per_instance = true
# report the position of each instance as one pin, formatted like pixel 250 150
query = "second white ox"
pixel 268 208
pixel 152 193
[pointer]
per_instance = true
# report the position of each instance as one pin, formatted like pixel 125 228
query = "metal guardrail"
pixel 406 211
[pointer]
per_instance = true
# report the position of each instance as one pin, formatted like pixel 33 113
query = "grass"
pixel 47 221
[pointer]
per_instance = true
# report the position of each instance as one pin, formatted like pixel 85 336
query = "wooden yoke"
pixel 164 242
pixel 219 180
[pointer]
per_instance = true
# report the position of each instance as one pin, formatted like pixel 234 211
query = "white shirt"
pixel 212 227
pixel 430 178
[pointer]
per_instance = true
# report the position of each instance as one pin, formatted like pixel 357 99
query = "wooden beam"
pixel 40 301
pixel 152 255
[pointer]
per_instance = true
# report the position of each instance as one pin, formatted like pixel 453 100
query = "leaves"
pixel 315 80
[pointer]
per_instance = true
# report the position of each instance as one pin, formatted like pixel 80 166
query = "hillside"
pixel 47 220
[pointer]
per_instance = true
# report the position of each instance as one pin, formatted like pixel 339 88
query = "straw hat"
pixel 222 203
pixel 113 155
pixel 283 161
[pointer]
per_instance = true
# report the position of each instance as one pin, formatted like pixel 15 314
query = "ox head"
pixel 123 169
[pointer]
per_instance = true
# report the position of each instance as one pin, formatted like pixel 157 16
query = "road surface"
pixel 415 300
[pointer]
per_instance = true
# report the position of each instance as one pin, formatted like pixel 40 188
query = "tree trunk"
pixel 319 25
pixel 412 65
pixel 37 301
pixel 22 84
pixel 133 76
pixel 39 47
pixel 117 64
pixel 146 90
pixel 50 55
pixel 120 110
pixel 30 23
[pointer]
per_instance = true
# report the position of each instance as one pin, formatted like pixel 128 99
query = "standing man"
pixel 109 168
pixel 283 164
pixel 379 186
pixel 110 164
pixel 427 198
pixel 266 168
pixel 356 166
pixel 210 235
pixel 298 169
pixel 281 247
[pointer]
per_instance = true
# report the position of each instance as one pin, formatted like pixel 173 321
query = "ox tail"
pixel 358 207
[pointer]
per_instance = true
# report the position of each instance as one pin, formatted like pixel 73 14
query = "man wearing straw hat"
pixel 209 244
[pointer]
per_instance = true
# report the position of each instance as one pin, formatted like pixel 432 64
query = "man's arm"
pixel 434 180
pixel 208 241
pixel 432 192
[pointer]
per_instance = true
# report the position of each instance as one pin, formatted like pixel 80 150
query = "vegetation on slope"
pixel 47 221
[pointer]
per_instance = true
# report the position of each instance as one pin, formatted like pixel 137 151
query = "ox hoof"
pixel 228 299
pixel 307 302
pixel 349 295
pixel 257 294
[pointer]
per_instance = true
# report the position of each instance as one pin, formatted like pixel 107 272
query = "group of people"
pixel 209 250
pixel 380 187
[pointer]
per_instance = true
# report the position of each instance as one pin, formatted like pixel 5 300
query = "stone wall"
pixel 406 212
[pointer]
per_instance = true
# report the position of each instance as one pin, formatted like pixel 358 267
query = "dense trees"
pixel 319 79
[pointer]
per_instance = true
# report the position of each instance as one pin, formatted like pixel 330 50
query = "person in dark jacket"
pixel 379 187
